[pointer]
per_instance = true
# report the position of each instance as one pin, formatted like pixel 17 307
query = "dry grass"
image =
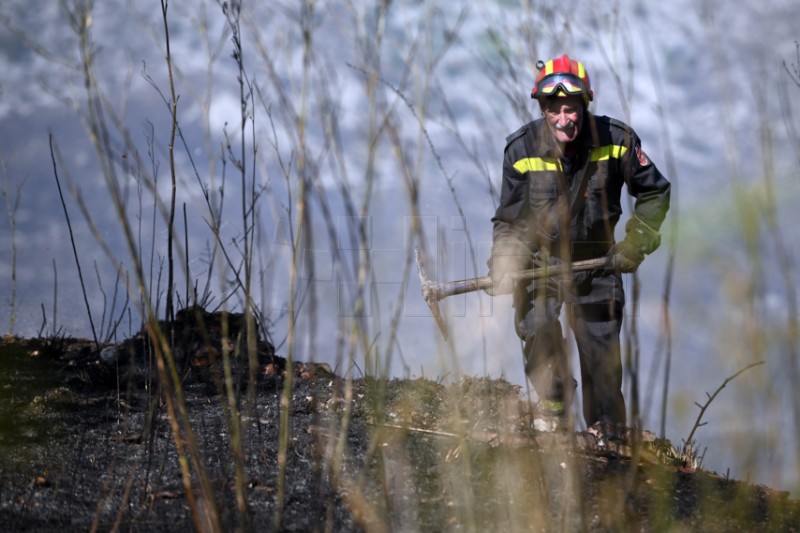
pixel 292 157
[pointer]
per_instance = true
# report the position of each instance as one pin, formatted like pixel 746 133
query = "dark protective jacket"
pixel 570 208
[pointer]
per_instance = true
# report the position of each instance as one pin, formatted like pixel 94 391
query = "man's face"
pixel 564 116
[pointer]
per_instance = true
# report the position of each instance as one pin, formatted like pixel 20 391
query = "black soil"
pixel 87 442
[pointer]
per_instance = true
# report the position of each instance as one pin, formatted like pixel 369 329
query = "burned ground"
pixel 86 442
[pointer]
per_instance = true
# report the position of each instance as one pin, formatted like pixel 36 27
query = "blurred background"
pixel 319 143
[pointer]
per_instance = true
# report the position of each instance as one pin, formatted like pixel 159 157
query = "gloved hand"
pixel 640 239
pixel 500 269
pixel 500 285
pixel 506 259
pixel 624 257
pixel 642 236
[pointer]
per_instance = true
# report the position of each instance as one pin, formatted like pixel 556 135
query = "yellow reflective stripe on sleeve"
pixel 612 151
pixel 536 164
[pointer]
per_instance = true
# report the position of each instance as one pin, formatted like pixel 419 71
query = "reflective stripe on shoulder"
pixel 537 164
pixel 543 164
pixel 612 151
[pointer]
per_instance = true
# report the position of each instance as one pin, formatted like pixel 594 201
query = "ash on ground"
pixel 88 442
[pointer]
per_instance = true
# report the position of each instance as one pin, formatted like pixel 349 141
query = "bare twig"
pixel 44 321
pixel 665 340
pixel 794 70
pixel 12 205
pixel 55 297
pixel 173 125
pixel 72 240
pixel 698 424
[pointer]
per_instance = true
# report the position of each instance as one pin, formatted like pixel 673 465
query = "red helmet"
pixel 562 76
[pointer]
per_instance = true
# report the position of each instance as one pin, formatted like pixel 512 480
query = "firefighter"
pixel 560 202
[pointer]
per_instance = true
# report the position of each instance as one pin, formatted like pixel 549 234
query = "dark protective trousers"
pixel 594 304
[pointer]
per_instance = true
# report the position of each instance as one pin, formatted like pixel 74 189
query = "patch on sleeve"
pixel 642 157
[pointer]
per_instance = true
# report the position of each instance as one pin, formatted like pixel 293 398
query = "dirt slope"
pixel 86 443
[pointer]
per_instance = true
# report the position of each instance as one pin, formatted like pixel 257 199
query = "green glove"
pixel 640 239
pixel 642 236
pixel 625 257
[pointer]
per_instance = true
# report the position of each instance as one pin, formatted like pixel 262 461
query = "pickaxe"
pixel 433 291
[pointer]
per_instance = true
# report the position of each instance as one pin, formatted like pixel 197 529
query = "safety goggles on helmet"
pixel 569 84
pixel 562 75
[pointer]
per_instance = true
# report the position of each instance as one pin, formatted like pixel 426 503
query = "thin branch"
pixel 72 240
pixel 711 397
pixel 170 312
